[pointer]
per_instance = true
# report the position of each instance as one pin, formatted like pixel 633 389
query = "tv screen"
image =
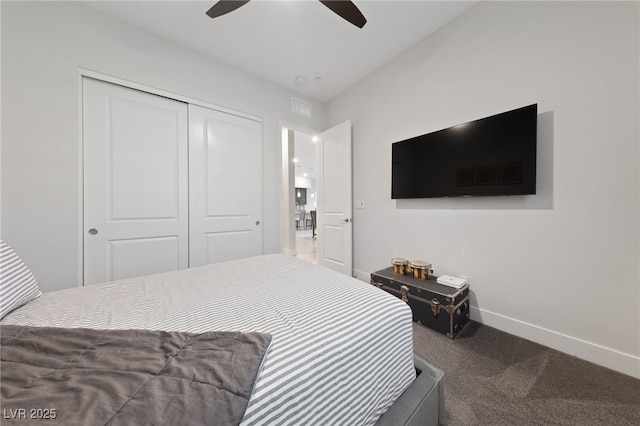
pixel 495 155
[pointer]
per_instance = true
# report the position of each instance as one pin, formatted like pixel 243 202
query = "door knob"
pixel 93 231
pixel 347 220
pixel 257 222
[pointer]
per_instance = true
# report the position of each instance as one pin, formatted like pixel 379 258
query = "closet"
pixel 167 184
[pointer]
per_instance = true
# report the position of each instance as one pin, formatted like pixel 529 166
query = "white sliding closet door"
pixel 225 186
pixel 135 183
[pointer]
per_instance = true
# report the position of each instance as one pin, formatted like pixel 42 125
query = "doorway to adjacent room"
pixel 305 195
pixel 317 196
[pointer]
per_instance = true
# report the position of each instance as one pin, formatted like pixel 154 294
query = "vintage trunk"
pixel 442 308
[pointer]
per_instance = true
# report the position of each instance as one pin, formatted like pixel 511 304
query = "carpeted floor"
pixel 494 378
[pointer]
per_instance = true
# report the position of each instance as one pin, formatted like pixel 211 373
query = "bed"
pixel 340 350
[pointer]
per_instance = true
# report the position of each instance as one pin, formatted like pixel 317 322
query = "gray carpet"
pixel 494 378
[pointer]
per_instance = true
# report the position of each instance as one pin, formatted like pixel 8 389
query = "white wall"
pixel 305 152
pixel 560 267
pixel 43 45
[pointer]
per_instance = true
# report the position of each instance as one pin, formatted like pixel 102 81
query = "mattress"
pixel 341 351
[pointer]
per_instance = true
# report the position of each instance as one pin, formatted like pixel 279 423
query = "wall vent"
pixel 300 107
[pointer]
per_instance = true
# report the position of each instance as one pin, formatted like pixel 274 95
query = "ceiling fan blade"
pixel 347 10
pixel 225 6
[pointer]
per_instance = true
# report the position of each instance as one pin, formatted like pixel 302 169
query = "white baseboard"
pixel 362 276
pixel 606 357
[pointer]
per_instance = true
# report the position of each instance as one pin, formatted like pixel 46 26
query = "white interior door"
pixel 225 186
pixel 135 183
pixel 335 207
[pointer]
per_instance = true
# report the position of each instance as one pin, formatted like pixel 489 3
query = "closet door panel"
pixel 135 182
pixel 147 154
pixel 236 245
pixel 227 164
pixel 225 186
pixel 141 256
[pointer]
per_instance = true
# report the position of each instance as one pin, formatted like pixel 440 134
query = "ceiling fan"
pixel 345 8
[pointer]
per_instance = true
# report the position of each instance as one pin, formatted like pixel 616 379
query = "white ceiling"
pixel 280 40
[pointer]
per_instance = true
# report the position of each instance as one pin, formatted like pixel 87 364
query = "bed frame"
pixel 423 401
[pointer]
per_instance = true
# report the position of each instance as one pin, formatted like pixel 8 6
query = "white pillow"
pixel 17 284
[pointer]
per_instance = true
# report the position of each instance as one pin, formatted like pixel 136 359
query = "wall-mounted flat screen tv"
pixel 495 155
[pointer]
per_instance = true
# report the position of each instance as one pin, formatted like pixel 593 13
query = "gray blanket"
pixel 127 377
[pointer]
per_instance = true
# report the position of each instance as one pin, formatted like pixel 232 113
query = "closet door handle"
pixel 257 222
pixel 93 231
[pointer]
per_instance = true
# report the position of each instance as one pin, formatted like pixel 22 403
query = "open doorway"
pixel 305 189
pixel 332 197
pixel 300 187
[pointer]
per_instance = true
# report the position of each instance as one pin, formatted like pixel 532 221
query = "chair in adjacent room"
pixel 312 222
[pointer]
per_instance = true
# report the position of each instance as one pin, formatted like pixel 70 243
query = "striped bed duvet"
pixel 341 350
